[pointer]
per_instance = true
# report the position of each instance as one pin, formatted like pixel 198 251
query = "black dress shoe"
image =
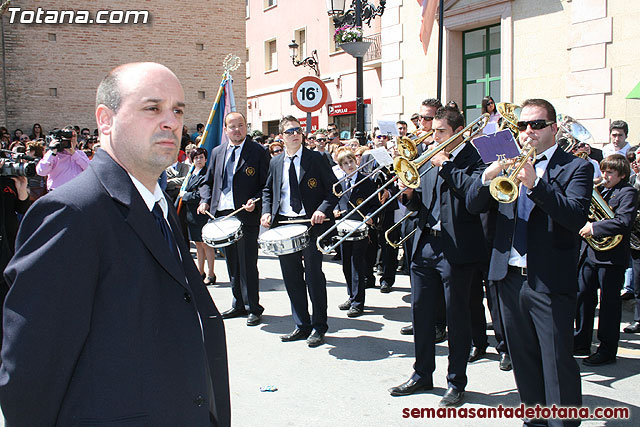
pixel 598 359
pixel 355 312
pixel 579 351
pixel 441 335
pixel 451 399
pixel 253 319
pixel 345 305
pixel 385 288
pixel 476 353
pixel 297 335
pixel 233 312
pixel 315 339
pixel 633 328
pixel 407 330
pixel 409 387
pixel 626 295
pixel 505 362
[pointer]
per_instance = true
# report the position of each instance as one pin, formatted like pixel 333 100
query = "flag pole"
pixel 230 63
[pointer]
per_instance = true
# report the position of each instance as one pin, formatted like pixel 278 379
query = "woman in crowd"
pixel 195 222
pixel 489 106
pixel 275 148
pixel 36 132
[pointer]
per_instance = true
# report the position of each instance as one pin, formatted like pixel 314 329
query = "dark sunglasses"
pixel 427 118
pixel 276 151
pixel 490 103
pixel 291 131
pixel 535 124
pixel 321 139
pixel 382 136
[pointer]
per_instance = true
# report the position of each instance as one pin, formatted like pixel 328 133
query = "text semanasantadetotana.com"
pixel 522 411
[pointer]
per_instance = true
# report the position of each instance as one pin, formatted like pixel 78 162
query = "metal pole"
pixel 440 33
pixel 308 124
pixel 359 84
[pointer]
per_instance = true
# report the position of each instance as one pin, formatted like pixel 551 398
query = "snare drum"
pixel 222 232
pixel 283 240
pixel 348 225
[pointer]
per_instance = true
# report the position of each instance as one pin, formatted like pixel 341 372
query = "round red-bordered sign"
pixel 309 94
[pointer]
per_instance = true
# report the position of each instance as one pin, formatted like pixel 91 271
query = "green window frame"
pixel 489 77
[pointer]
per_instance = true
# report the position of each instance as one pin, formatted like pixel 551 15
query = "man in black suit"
pixel 301 191
pixel 535 258
pixel 235 178
pixel 107 320
pixel 445 253
pixel 605 269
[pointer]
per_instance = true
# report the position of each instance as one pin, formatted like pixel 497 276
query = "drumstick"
pixel 210 214
pixel 356 208
pixel 239 209
pixel 300 221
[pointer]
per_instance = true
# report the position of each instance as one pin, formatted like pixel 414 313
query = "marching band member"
pixel 605 269
pixel 353 263
pixel 445 253
pixel 299 185
pixel 535 259
pixel 235 178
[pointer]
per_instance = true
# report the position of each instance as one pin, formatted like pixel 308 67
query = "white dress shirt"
pixel 285 191
pixel 226 200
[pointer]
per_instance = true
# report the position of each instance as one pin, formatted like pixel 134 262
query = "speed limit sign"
pixel 309 94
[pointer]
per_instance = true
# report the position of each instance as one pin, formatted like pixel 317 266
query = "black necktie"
pixel 294 196
pixel 434 216
pixel 227 175
pixel 166 231
pixel 524 207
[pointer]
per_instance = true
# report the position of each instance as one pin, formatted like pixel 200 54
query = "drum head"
pixel 283 232
pixel 350 224
pixel 220 228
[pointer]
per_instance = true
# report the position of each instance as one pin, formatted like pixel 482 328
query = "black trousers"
pixel 430 271
pixel 539 333
pixel 609 279
pixel 354 268
pixel 242 266
pixel 302 276
pixel 476 308
pixel 635 263
pixel 496 317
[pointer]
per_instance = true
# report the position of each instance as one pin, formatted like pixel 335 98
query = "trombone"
pixel 399 243
pixel 407 171
pixel 336 187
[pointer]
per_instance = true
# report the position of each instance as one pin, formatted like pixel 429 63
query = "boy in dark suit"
pixel 353 261
pixel 299 185
pixel 605 269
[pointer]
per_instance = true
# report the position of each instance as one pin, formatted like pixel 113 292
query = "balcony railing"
pixel 375 51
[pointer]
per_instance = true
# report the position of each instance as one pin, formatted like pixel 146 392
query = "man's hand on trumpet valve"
pixel 203 208
pixel 318 217
pixel 250 205
pixel 587 230
pixel 527 175
pixel 265 220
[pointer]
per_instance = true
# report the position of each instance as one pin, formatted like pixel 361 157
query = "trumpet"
pixel 407 171
pixel 510 115
pixel 408 145
pixel 505 189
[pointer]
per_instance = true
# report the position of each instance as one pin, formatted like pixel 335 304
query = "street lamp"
pixel 356 14
pixel 310 61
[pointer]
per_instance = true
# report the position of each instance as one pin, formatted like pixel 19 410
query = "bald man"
pixel 108 321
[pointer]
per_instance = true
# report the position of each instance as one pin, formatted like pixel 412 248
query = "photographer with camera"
pixel 14 199
pixel 63 161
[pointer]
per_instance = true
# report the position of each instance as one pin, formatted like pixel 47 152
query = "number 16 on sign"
pixel 309 94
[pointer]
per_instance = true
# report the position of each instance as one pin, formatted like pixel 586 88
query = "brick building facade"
pixel 52 70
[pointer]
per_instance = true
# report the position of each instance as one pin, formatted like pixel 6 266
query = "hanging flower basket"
pixel 356 49
pixel 347 34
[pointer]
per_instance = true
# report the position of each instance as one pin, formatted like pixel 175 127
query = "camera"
pixel 59 139
pixel 12 166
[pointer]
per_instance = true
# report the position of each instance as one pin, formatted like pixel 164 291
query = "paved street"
pixel 345 381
